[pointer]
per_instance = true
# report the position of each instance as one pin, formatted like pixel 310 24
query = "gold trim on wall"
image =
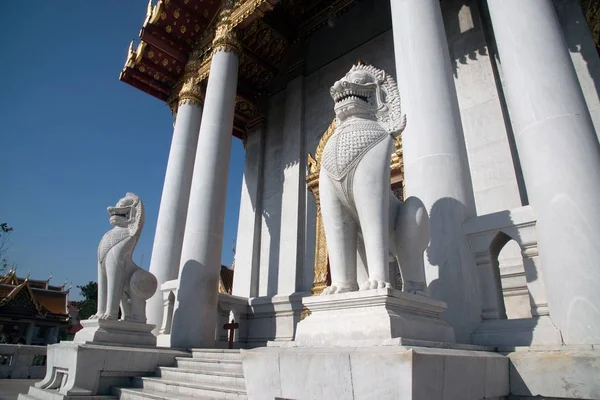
pixel 312 183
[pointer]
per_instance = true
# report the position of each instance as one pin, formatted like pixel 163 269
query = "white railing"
pixel 19 361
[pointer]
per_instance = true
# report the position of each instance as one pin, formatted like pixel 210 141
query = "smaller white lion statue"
pixel 120 280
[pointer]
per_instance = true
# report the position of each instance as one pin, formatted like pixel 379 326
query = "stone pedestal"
pixel 372 314
pixel 115 332
pixel 88 369
pixel 380 372
pixel 105 353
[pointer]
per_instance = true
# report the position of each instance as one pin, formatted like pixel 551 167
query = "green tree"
pixel 89 304
pixel 5 232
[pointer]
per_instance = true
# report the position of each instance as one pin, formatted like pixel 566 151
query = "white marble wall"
pixel 291 243
pixel 272 198
pixel 247 256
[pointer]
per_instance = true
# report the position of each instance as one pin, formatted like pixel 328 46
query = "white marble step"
pixel 209 365
pixel 180 388
pixel 145 394
pixel 219 354
pixel 44 394
pixel 225 379
pixel 22 396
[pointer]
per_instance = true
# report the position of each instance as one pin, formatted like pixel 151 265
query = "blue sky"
pixel 74 139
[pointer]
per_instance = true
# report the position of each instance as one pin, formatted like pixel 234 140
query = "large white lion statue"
pixel 360 213
pixel 120 280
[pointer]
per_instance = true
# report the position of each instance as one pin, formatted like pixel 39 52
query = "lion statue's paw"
pixel 108 316
pixel 375 284
pixel 418 288
pixel 336 288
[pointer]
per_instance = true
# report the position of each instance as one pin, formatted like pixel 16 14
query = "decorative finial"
pixel 148 12
pixel 130 51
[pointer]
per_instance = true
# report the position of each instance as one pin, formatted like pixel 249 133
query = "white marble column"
pixel 560 155
pixel 435 158
pixel 584 55
pixel 168 239
pixel 195 312
pixel 247 249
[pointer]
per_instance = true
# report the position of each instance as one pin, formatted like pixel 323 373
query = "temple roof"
pixel 22 297
pixel 178 32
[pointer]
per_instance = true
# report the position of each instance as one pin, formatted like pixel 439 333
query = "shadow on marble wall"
pixel 183 329
pixel 464 31
pixel 457 282
pixel 273 178
pixel 471 40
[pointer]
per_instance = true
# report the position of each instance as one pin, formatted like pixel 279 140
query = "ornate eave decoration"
pixel 321 264
pixel 177 41
pixel 178 38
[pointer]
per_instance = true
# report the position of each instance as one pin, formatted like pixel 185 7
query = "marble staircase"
pixel 208 374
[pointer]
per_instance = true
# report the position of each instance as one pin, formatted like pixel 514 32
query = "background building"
pixel 31 311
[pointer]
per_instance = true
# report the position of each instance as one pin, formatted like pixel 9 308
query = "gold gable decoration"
pixel 321 264
pixel 13 295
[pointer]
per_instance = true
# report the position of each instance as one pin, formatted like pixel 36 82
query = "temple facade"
pixel 31 311
pixel 501 145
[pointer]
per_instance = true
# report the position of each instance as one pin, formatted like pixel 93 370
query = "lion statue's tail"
pixel 143 284
pixel 409 238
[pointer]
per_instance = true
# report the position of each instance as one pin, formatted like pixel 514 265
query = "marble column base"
pixel 115 332
pixel 517 332
pixel 79 369
pixel 372 314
